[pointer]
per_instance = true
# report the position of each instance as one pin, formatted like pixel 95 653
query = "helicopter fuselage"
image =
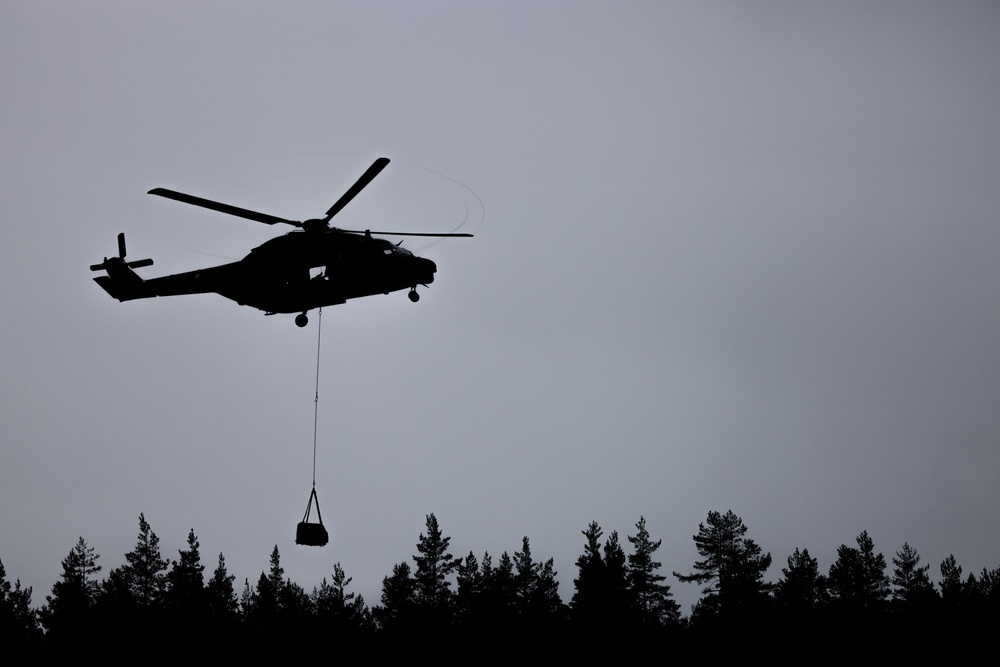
pixel 292 273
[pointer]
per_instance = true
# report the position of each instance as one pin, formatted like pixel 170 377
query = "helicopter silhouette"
pixel 313 266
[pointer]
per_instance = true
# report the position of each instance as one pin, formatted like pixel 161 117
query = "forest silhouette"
pixel 511 605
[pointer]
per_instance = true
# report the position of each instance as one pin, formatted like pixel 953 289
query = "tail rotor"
pixel 121 258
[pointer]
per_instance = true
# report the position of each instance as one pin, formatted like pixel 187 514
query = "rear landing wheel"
pixel 414 297
pixel 301 320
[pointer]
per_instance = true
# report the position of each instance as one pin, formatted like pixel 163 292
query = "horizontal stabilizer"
pixel 121 290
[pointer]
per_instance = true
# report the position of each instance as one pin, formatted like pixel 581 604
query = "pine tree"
pixel 399 599
pixel 857 578
pixel 498 601
pixel 615 589
pixel 434 565
pixel 536 589
pixel 132 598
pixel 266 598
pixel 294 605
pixel 67 615
pixel 986 590
pixel 502 584
pixel 335 608
pixel 469 597
pixel 277 605
pixel 333 598
pixel 276 573
pixel 145 567
pixel 186 579
pixel 652 597
pixel 873 568
pixel 79 566
pixel 75 592
pixel 952 586
pixel 846 578
pixel 587 604
pixel 247 604
pixel 732 565
pixel 912 584
pixel 802 589
pixel 18 621
pixel 220 592
pixel 525 577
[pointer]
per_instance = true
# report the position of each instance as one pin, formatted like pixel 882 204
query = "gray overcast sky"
pixel 734 255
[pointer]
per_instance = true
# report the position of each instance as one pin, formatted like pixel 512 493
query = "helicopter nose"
pixel 427 270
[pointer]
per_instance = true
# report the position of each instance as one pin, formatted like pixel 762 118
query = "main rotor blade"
pixel 372 231
pixel 366 178
pixel 222 208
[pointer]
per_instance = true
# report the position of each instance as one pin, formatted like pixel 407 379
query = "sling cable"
pixel 306 533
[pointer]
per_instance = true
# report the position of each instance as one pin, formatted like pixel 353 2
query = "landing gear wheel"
pixel 301 320
pixel 414 297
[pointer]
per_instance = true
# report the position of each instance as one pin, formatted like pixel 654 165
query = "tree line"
pixel 171 604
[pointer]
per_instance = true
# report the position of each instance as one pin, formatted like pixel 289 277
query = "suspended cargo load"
pixel 311 534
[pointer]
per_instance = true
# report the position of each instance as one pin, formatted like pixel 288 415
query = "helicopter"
pixel 310 267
